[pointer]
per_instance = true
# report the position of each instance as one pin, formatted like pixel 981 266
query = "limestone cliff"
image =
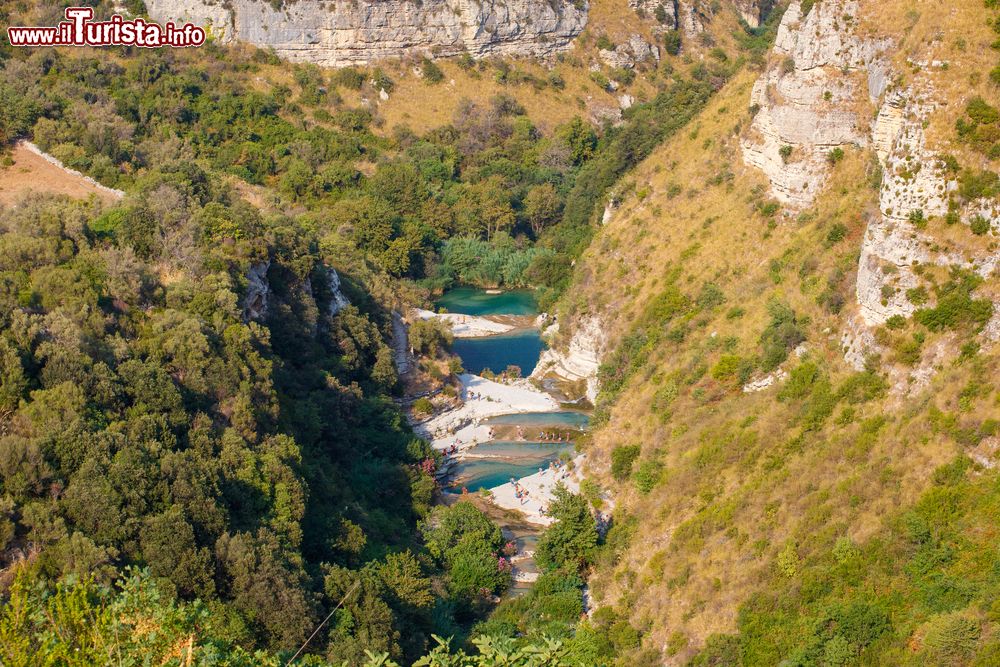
pixel 342 32
pixel 258 292
pixel 807 101
pixel 811 101
pixel 578 360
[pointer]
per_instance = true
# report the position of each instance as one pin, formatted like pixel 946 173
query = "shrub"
pixel 780 336
pixel 432 73
pixel 917 295
pixel 785 152
pixel 672 42
pixel 788 561
pixel 430 337
pixel 979 225
pixel 974 184
pixel 956 307
pixel 622 458
pixel 835 156
pixel 896 322
pixel 648 476
pixel 727 368
pixel 951 637
pixel 423 406
pixel 917 219
pixel 800 381
pixel 836 234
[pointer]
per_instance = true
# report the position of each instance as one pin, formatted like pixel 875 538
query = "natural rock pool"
pixel 527 442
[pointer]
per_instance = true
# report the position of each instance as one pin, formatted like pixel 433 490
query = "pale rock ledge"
pixel 346 32
pixel 807 98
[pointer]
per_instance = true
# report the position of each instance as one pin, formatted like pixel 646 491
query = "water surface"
pixel 475 301
pixel 568 418
pixel 521 349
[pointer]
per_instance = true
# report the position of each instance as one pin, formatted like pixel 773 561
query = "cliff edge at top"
pixel 342 33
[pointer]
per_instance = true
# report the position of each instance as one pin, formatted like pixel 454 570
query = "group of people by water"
pixel 557 467
pixel 545 436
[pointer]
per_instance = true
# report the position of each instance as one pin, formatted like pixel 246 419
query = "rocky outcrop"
pixel 806 100
pixel 345 32
pixel 258 292
pixel 629 54
pixel 915 187
pixel 692 16
pixel 337 299
pixel 580 360
pixel 753 11
pixel 626 56
pixel 666 19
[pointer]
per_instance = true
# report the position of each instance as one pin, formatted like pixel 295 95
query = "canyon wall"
pixel 341 32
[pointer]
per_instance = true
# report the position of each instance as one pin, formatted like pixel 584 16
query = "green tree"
pixel 569 542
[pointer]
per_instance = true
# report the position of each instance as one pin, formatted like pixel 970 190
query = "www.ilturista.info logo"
pixel 79 30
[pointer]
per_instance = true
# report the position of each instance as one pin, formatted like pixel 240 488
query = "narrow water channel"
pixel 525 443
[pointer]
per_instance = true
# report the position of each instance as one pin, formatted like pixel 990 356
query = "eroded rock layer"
pixel 345 32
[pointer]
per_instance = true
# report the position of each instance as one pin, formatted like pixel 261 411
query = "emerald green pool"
pixel 521 349
pixel 566 418
pixel 494 463
pixel 475 301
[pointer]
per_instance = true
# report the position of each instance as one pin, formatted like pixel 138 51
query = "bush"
pixel 423 406
pixel 956 307
pixel 672 42
pixel 430 337
pixel 622 458
pixel 836 234
pixel 432 73
pixel 896 322
pixel 648 476
pixel 979 225
pixel 835 156
pixel 951 637
pixel 780 336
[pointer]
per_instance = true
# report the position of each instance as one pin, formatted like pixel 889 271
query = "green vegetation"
pixel 194 470
pixel 859 603
pixel 955 305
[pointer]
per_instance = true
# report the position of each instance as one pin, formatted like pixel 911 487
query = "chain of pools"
pixel 524 443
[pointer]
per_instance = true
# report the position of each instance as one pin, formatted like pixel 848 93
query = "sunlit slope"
pixel 705 287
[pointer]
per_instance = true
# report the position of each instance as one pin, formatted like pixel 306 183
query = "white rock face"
pixel 345 32
pixel 913 182
pixel 629 54
pixel 581 359
pixel 753 11
pixel 258 292
pixel 338 301
pixel 808 96
pixel 648 9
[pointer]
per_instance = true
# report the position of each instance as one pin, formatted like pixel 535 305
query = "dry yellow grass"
pixel 736 481
pixel 31 173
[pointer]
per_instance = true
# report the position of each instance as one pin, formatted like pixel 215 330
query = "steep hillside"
pixel 793 304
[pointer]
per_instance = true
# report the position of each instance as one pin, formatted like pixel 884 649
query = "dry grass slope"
pixel 745 475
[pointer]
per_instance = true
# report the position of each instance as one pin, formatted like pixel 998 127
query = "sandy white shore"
pixel 482 398
pixel 466 326
pixel 540 487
